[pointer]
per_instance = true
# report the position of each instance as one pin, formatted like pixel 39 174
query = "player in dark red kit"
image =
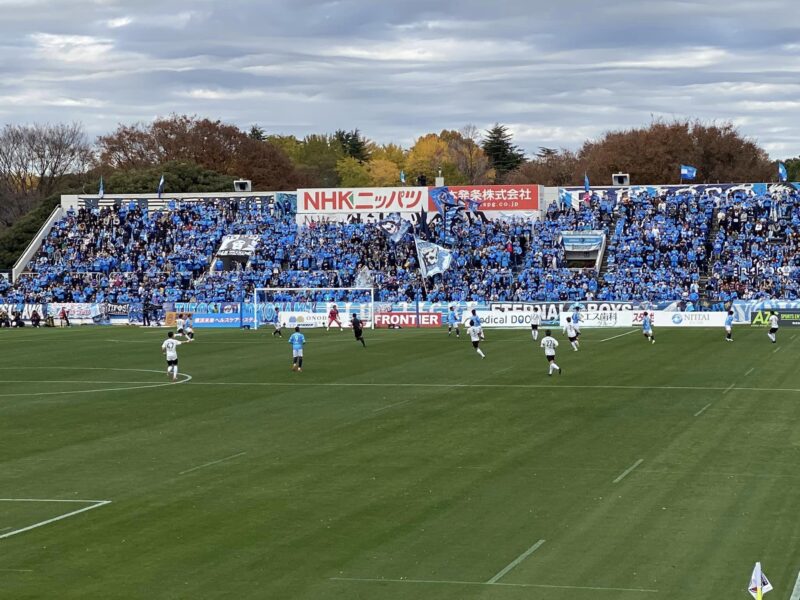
pixel 333 317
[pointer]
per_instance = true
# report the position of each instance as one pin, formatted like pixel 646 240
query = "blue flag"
pixel 160 189
pixel 403 177
pixel 101 192
pixel 783 175
pixel 395 227
pixel 688 172
pixel 433 259
pixel 441 197
pixel 586 187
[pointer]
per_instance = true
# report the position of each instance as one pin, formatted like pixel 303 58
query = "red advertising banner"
pixel 408 319
pixel 496 197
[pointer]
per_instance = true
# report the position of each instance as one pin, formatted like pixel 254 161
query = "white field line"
pixel 392 405
pixel 487 385
pixel 776 349
pixel 796 590
pixel 186 379
pixel 619 336
pixel 516 561
pixel 750 370
pixel 96 504
pixel 519 585
pixel 702 410
pixel 728 389
pixel 16 570
pixel 213 462
pixel 794 335
pixel 628 470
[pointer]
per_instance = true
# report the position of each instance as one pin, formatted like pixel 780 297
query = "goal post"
pixel 309 307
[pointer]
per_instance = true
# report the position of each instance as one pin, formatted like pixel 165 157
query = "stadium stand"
pixel 674 246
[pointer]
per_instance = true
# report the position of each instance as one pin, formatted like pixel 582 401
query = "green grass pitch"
pixel 410 469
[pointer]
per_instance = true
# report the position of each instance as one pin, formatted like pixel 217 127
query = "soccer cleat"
pixel 559 370
pixel 299 369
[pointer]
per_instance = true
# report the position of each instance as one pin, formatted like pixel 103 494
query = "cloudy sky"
pixel 555 72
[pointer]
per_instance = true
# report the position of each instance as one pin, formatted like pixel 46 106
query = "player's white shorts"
pixel 297 354
pixel 727 329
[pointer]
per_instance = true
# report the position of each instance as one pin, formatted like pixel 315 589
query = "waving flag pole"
pixel 101 192
pixel 783 175
pixel 587 188
pixel 160 189
pixel 759 584
pixel 688 172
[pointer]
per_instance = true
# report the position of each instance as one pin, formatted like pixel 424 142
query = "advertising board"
pixel 331 201
pixel 786 318
pixel 605 318
pixel 407 319
pixel 688 319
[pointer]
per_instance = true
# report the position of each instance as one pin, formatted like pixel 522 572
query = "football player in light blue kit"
pixel 577 319
pixel 647 327
pixel 452 323
pixel 729 327
pixel 297 340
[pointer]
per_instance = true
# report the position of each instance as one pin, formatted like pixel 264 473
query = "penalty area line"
pixel 515 562
pixel 97 504
pixel 627 471
pixel 702 410
pixel 796 591
pixel 618 336
pixel 517 585
pixel 213 462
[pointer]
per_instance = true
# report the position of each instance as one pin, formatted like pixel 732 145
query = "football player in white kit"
pixel 536 321
pixel 476 335
pixel 773 327
pixel 572 334
pixel 549 343
pixel 179 322
pixel 170 349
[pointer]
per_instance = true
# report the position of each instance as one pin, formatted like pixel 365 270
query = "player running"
pixel 170 349
pixel 297 340
pixel 476 335
pixel 773 327
pixel 536 321
pixel 188 329
pixel 729 327
pixel 572 334
pixel 549 343
pixel 179 323
pixel 452 323
pixel 276 322
pixel 476 318
pixel 358 329
pixel 577 320
pixel 647 327
pixel 333 317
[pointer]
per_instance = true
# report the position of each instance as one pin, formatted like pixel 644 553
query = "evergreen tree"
pixel 353 144
pixel 257 133
pixel 503 155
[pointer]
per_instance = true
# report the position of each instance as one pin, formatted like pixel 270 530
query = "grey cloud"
pixel 556 73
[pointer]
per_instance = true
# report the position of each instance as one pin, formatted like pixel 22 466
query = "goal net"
pixel 310 307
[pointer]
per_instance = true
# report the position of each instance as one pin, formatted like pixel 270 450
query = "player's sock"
pixel 575 346
pixel 300 363
pixel 481 353
pixel 363 343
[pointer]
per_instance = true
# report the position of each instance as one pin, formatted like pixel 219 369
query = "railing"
pixel 30 251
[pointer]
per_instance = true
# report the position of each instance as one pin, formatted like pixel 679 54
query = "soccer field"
pixel 408 469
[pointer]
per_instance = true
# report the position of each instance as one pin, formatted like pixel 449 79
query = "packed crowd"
pixel 755 251
pixel 659 248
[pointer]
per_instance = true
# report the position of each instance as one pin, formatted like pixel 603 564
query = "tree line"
pixel 202 155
